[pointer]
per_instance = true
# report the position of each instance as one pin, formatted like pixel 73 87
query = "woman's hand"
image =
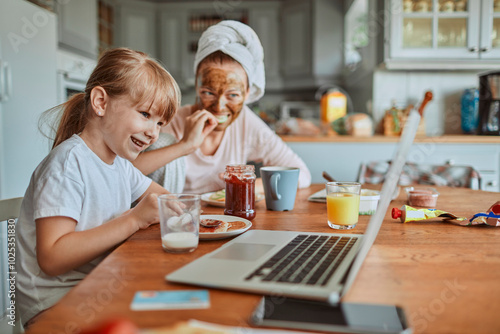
pixel 198 126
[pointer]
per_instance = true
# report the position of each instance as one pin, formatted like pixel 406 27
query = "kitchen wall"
pixel 442 114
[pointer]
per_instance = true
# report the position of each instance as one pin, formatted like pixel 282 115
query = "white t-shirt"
pixel 72 181
pixel 248 138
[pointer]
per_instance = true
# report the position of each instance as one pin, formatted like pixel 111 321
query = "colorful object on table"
pixel 408 214
pixel 113 326
pixel 170 300
pixel 491 217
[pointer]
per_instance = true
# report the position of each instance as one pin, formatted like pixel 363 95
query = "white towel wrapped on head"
pixel 240 42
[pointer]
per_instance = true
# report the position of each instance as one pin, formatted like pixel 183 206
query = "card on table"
pixel 170 300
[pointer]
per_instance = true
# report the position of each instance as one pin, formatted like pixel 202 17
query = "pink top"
pixel 248 138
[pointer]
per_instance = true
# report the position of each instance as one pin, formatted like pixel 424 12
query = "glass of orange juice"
pixel 342 204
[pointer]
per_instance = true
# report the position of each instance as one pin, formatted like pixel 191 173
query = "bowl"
pixel 425 197
pixel 368 201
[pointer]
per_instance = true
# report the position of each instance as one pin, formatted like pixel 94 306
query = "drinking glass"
pixel 179 222
pixel 342 203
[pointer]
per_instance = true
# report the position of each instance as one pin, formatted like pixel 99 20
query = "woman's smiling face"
pixel 222 90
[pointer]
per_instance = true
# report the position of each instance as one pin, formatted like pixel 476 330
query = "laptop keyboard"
pixel 307 259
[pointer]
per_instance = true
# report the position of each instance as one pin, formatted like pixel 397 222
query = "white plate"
pixel 228 234
pixel 206 198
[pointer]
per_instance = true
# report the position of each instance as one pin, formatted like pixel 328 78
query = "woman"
pixel 229 71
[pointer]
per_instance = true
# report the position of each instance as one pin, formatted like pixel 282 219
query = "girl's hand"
pixel 198 126
pixel 146 211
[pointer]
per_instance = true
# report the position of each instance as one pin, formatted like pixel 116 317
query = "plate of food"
pixel 218 198
pixel 228 226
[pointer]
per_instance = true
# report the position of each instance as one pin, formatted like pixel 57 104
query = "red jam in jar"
pixel 240 191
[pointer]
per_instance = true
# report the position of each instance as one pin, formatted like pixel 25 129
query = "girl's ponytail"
pixel 73 119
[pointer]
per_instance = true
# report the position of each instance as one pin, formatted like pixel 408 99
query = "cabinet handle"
pixel 2 82
pixel 491 184
pixel 474 49
pixel 485 49
pixel 8 78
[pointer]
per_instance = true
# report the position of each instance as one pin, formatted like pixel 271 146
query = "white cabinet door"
pixel 265 22
pixel 462 34
pixel 137 27
pixel 490 30
pixel 78 26
pixel 172 54
pixel 433 31
pixel 296 38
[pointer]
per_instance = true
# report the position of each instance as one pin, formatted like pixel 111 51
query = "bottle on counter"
pixel 240 191
pixel 470 110
pixel 333 105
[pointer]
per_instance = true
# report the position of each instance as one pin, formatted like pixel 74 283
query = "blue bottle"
pixel 470 107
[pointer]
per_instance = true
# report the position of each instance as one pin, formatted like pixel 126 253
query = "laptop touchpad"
pixel 243 251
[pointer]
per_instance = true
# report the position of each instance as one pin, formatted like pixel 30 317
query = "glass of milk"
pixel 179 222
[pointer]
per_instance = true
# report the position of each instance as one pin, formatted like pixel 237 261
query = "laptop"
pixel 305 265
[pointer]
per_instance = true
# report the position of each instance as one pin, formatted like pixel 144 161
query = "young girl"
pixel 77 205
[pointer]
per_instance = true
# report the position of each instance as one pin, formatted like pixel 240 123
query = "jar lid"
pixel 240 168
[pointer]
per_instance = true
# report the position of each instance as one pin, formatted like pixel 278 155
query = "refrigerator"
pixel 28 86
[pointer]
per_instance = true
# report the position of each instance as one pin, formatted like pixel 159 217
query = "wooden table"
pixel 446 277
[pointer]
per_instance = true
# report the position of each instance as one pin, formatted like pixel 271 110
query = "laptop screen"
pixel 388 188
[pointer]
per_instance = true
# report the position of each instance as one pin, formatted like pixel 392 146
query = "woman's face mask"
pixel 222 90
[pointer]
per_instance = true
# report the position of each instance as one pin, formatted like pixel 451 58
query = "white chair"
pixel 9 209
pixel 439 175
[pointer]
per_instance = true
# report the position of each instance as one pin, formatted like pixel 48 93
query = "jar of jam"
pixel 240 191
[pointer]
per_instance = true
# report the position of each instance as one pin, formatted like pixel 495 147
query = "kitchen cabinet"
pixel 437 34
pixel 264 18
pixel 181 25
pixel 172 45
pixel 77 26
pixel 135 26
pixel 342 160
pixel 312 43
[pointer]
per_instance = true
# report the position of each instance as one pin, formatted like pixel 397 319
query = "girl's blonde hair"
pixel 121 71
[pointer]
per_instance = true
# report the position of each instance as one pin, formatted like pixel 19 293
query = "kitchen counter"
pixel 451 139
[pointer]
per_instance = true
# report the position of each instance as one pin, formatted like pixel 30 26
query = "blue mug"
pixel 280 187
